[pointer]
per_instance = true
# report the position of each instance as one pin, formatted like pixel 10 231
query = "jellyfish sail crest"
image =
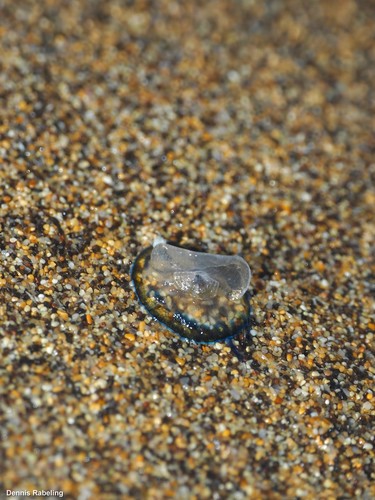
pixel 200 296
pixel 197 283
pixel 231 274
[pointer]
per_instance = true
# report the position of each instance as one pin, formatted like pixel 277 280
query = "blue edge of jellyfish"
pixel 227 340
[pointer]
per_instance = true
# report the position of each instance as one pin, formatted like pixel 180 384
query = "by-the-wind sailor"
pixel 198 295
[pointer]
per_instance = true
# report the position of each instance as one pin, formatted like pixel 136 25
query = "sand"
pixel 231 126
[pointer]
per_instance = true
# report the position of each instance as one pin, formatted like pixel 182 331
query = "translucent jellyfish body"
pixel 197 295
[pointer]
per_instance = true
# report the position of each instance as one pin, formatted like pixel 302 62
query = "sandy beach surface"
pixel 229 126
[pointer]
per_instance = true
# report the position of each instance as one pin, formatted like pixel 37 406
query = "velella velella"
pixel 199 296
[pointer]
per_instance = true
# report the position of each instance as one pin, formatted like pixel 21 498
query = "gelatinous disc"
pixel 199 296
